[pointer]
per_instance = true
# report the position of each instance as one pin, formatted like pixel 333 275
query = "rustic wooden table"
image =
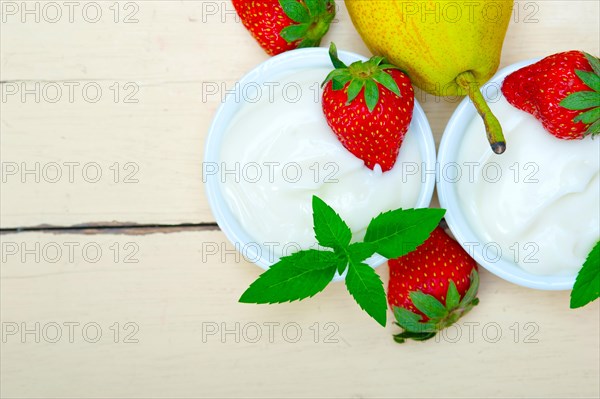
pixel 115 280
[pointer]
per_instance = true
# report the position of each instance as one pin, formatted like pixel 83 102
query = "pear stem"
pixel 467 82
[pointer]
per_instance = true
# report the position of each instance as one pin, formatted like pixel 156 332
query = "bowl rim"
pixel 293 59
pixel 460 227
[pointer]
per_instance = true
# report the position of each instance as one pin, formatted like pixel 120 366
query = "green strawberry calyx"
pixel 587 101
pixel 439 315
pixel 313 19
pixel 359 75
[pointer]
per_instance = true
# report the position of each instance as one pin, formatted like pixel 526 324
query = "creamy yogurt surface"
pixel 539 201
pixel 282 152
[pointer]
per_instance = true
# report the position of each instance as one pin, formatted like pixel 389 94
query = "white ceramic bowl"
pixel 449 200
pixel 295 59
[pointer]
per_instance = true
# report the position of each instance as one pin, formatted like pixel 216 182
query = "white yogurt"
pixel 282 152
pixel 543 211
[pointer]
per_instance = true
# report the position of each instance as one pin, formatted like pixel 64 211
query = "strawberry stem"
pixel 467 82
pixel 359 75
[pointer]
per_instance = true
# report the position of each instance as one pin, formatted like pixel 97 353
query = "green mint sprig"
pixel 306 273
pixel 587 284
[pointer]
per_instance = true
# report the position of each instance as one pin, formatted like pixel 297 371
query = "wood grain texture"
pixel 177 286
pixel 179 283
pixel 171 55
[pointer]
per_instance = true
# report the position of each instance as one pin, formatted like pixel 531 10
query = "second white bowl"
pixel 462 230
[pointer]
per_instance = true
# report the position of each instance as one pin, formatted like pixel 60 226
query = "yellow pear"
pixel 448 48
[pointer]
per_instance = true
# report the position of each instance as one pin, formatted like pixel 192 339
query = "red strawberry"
pixel 426 287
pixel 369 106
pixel 562 91
pixel 282 25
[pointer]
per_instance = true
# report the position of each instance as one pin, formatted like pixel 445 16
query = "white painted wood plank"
pixel 170 54
pixel 178 284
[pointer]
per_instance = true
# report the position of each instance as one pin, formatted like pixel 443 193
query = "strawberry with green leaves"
pixel 562 91
pixel 369 106
pixel 432 287
pixel 282 25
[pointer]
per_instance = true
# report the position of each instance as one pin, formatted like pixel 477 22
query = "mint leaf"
pixel 330 230
pixel 360 251
pixel 395 233
pixel 367 289
pixel 306 273
pixel 587 284
pixel 298 276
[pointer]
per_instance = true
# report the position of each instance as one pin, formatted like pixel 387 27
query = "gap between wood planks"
pixel 114 228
